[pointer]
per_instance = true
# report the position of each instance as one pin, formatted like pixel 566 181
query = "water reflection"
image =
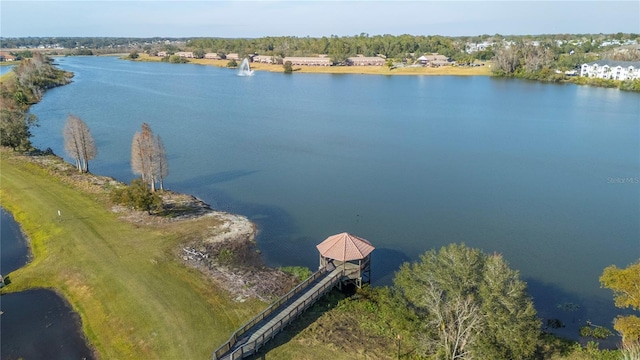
pixel 39 324
pixel 15 252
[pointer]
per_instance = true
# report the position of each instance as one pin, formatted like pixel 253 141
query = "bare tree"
pixel 137 157
pixel 537 57
pixel 148 157
pixel 506 59
pixel 78 142
pixel 471 305
pixel 162 166
pixel 456 319
pixel 142 155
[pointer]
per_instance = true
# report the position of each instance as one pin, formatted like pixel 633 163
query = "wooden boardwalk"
pixel 255 333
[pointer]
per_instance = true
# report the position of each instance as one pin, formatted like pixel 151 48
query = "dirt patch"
pixel 238 270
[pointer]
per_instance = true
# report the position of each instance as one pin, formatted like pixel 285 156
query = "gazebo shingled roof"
pixel 345 247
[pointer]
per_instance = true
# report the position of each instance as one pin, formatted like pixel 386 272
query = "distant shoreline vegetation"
pixel 549 57
pixel 21 88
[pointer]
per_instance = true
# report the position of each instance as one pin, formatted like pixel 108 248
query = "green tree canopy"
pixel 137 196
pixel 15 127
pixel 625 284
pixel 198 53
pixel 287 67
pixel 472 305
pixel 177 59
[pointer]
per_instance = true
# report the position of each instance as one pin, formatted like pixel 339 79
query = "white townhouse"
pixel 609 69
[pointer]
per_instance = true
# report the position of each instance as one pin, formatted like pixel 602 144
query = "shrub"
pixel 586 331
pixel 226 256
pixel 630 85
pixel 137 196
pixel 299 272
pixel 177 59
pixel 287 67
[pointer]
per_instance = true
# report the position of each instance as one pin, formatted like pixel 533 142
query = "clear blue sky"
pixel 135 18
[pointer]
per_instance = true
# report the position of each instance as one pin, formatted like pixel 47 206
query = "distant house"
pixel 473 47
pixel 163 53
pixel 185 54
pixel 212 56
pixel 264 59
pixel 308 61
pixel 609 69
pixel 5 56
pixel 434 60
pixel 361 60
pixel 233 57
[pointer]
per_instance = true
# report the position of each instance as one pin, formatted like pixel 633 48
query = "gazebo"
pixel 349 252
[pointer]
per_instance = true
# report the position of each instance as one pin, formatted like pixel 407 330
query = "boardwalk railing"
pixel 238 353
pixel 250 347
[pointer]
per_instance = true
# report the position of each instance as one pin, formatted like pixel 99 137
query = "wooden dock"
pixel 344 259
pixel 255 333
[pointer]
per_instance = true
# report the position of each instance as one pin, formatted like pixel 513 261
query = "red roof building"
pixel 350 253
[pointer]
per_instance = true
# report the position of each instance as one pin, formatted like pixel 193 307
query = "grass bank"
pixel 365 70
pixel 135 299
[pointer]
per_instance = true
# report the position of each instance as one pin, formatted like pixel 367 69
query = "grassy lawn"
pixel 6 77
pixel 135 299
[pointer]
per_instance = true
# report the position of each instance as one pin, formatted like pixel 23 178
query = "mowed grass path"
pixel 135 299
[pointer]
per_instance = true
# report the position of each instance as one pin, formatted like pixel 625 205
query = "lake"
pixel 545 174
pixel 5 69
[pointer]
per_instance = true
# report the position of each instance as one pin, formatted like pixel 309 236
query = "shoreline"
pixel 86 269
pixel 231 229
pixel 92 253
pixel 355 70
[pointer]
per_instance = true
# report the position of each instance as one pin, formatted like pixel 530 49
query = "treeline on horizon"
pixel 394 46
pixel 535 57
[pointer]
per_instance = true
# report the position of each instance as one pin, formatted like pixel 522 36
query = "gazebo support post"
pixel 346 248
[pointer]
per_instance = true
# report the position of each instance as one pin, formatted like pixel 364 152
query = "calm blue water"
pixel 14 252
pixel 39 324
pixel 545 174
pixel 6 69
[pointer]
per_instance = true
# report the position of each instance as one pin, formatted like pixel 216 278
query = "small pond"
pixel 35 324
